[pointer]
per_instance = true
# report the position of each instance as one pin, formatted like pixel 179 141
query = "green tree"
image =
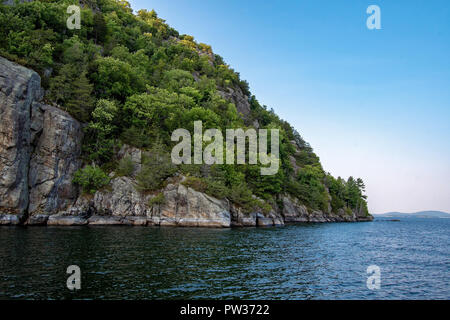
pixel 91 179
pixel 156 167
pixel 100 133
pixel 125 166
pixel 116 79
pixel 73 92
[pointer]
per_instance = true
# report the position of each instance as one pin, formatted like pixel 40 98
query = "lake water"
pixel 316 261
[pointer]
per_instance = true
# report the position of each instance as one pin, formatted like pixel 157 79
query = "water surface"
pixel 315 261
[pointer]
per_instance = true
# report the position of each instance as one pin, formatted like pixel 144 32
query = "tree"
pixel 100 28
pixel 353 193
pixel 176 79
pixel 116 79
pixel 310 179
pixel 91 178
pixel 100 133
pixel 81 101
pixel 361 185
pixel 336 189
pixel 156 167
pixel 73 92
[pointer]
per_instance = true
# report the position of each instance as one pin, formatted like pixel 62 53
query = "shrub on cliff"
pixel 156 167
pixel 157 200
pixel 196 183
pixel 91 178
pixel 125 167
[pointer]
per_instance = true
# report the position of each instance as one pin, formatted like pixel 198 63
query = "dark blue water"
pixel 319 261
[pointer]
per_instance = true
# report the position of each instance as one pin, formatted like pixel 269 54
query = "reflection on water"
pixel 319 261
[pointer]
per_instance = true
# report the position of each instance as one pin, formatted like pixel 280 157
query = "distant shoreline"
pixel 420 214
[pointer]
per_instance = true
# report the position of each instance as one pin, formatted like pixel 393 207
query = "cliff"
pixel 40 149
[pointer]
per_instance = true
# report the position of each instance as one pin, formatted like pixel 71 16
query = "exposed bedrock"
pixel 55 159
pixel 19 87
pixel 40 147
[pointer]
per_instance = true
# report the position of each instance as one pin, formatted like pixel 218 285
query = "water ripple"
pixel 319 261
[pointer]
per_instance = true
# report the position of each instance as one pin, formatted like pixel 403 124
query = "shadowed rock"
pixel 19 87
pixel 40 147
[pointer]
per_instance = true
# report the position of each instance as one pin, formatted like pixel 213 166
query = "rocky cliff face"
pixel 40 149
pixel 55 158
pixel 19 88
pixel 236 96
pixel 296 212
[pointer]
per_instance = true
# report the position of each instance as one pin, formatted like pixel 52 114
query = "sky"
pixel 373 104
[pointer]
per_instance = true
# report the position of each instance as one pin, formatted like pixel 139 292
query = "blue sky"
pixel 373 104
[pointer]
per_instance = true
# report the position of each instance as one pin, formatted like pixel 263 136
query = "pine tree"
pixel 81 102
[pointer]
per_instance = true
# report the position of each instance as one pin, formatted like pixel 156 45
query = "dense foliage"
pixel 133 80
pixel 91 178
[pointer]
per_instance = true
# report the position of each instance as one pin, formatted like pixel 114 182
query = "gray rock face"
pixel 37 220
pixel 39 148
pixel 123 204
pixel 134 153
pixel 241 219
pixel 236 96
pixel 105 220
pixel 11 2
pixel 121 199
pixel 57 220
pixel 189 208
pixel 361 216
pixel 293 211
pixel 9 219
pixel 19 87
pixel 53 163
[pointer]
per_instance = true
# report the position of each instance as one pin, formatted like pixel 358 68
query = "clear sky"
pixel 373 104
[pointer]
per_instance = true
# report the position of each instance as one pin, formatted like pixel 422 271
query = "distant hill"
pixel 420 214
